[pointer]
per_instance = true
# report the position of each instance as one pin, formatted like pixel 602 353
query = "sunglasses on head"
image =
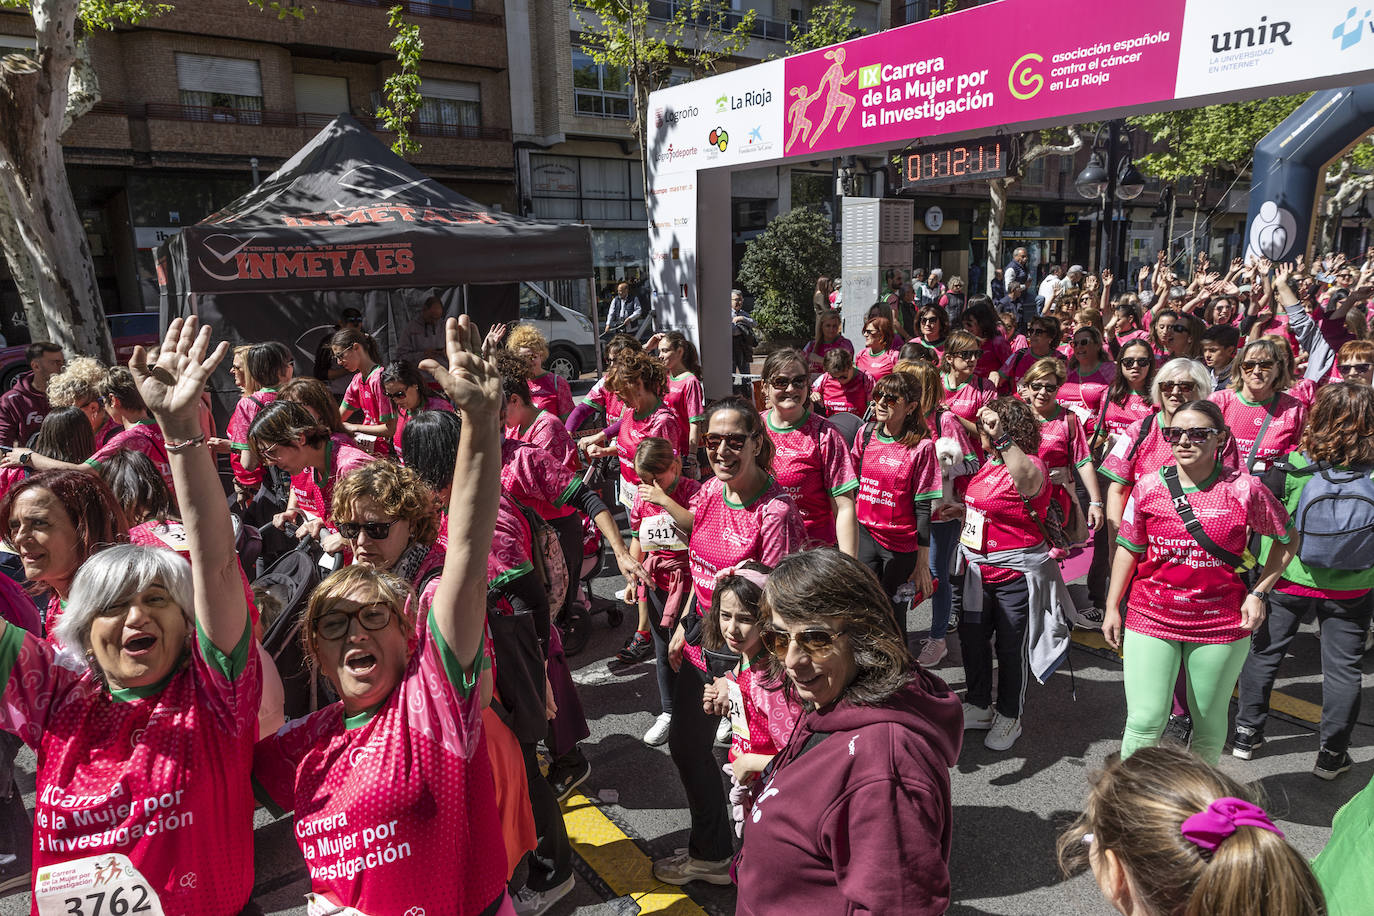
pixel 1051 387
pixel 1176 434
pixel 1250 365
pixel 1182 387
pixel 817 643
pixel 1136 362
pixel 1347 368
pixel 784 382
pixel 735 442
pixel 335 624
pixel 378 531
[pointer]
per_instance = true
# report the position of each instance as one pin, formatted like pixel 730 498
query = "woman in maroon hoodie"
pixel 854 815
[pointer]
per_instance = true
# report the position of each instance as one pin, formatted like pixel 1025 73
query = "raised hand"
pixel 1108 277
pixel 471 382
pixel 171 386
pixel 492 343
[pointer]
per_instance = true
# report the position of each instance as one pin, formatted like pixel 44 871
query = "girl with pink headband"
pixel 1164 832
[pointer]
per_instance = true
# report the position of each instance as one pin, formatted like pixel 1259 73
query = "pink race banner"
pixel 981 69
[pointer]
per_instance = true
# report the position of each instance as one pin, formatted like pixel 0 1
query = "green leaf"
pixel 402 88
pixel 780 267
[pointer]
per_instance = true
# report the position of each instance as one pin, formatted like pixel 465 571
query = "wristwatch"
pixel 26 458
pixel 1263 596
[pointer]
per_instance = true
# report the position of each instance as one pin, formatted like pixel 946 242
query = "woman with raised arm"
pixel 144 730
pixel 415 828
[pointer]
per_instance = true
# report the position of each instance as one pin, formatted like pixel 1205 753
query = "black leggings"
pixel 551 860
pixel 691 736
pixel 892 567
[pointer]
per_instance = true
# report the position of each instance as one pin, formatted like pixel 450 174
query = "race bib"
pixel 626 493
pixel 659 533
pixel 739 723
pixel 1083 413
pixel 173 534
pixel 971 535
pixel 104 885
pixel 316 905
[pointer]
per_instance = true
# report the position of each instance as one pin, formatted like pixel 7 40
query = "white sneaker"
pixel 933 652
pixel 723 731
pixel 531 903
pixel 1005 730
pixel 978 718
pixel 658 732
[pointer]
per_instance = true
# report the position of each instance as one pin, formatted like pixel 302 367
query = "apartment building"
pixel 200 103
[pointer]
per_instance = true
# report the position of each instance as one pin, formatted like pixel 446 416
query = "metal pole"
pixel 1109 199
pixel 596 323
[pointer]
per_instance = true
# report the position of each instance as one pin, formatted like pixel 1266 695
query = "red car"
pixel 129 329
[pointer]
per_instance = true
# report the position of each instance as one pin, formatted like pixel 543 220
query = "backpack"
pixel 1334 515
pixel 290 580
pixel 547 559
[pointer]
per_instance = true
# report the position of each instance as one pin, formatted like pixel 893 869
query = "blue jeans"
pixel 944 541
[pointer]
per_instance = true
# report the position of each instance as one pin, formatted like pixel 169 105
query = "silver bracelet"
pixel 175 447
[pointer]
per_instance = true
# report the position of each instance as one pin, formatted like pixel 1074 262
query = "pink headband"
pixel 750 575
pixel 1207 829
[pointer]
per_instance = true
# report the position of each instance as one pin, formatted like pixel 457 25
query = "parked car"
pixel 571 335
pixel 129 329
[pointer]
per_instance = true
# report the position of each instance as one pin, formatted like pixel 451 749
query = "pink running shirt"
pixel 245 411
pixel 761 720
pixel 159 774
pixel 844 397
pixel 315 495
pixel 634 429
pixel 1063 443
pixel 548 432
pixel 811 464
pixel 892 479
pixel 144 436
pixel 1286 415
pixel 877 365
pixel 686 400
pixel 1084 394
pixel 1180 591
pixel 369 395
pixel 552 393
pixel 1116 417
pixel 725 533
pixel 432 402
pixel 395 809
pixel 537 479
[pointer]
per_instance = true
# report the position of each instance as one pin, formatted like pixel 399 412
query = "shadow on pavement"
pixel 989 856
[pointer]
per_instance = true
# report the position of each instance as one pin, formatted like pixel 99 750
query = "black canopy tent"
pixel 348 222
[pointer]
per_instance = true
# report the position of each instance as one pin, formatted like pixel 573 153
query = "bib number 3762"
pixel 104 885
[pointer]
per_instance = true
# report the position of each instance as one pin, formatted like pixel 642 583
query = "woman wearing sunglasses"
pixel 881 350
pixel 408 392
pixel 1266 421
pixel 899 478
pixel 980 320
pixel 1089 373
pixel 1355 362
pixel 739 514
pixel 1040 339
pixel 1189 609
pixel 932 327
pixel 811 461
pixel 835 830
pixel 410 704
pixel 965 392
pixel 287 436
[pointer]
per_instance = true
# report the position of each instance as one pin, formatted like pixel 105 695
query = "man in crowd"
pixel 1016 270
pixel 423 337
pixel 1049 287
pixel 1219 345
pixel 742 339
pixel 623 314
pixel 24 406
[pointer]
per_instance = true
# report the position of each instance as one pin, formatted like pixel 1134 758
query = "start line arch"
pixel 1005 67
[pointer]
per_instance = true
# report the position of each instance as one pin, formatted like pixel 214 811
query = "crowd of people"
pixel 1204 443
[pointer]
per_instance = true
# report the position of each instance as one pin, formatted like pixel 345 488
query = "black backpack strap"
pixel 869 428
pixel 1254 448
pixel 1190 521
pixel 1144 431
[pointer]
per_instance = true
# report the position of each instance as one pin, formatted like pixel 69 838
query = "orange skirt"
pixel 512 790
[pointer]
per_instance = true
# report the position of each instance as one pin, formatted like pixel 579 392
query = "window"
pixel 18 44
pixel 322 95
pixel 600 90
pixel 224 89
pixel 586 188
pixel 1035 172
pixel 449 108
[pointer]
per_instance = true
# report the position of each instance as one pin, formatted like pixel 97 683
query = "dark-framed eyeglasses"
pixel 378 531
pixel 335 624
pixel 784 382
pixel 817 643
pixel 1358 368
pixel 1176 434
pixel 735 442
pixel 1084 342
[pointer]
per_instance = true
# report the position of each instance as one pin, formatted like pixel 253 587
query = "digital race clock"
pixel 987 157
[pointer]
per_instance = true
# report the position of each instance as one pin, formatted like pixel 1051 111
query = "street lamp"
pixel 1109 176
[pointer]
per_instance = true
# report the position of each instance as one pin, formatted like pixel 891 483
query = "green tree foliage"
pixel 780 268
pixel 1197 142
pixel 402 88
pixel 828 24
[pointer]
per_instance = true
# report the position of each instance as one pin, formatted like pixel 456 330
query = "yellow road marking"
pixel 616 858
pixel 1278 702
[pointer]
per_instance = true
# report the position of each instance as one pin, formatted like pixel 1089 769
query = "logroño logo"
pixel 1261 34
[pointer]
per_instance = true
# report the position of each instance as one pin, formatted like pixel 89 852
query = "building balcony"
pixel 437 9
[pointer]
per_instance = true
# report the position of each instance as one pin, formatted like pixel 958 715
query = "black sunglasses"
pixel 883 397
pixel 817 643
pixel 735 442
pixel 1250 365
pixel 378 531
pixel 1051 387
pixel 1176 434
pixel 784 382
pixel 1347 368
pixel 1136 362
pixel 397 395
pixel 967 355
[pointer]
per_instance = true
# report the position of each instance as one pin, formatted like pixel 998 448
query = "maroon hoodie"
pixel 22 410
pixel 859 821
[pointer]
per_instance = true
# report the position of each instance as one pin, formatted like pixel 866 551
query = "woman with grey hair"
pixel 144 733
pixel 873 747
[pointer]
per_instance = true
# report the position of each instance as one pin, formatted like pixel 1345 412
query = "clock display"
pixel 984 158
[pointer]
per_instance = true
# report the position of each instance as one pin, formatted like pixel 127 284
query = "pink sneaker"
pixel 933 652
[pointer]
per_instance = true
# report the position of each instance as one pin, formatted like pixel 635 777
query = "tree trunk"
pixel 997 212
pixel 44 241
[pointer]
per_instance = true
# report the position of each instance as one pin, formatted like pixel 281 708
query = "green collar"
pixel 129 694
pixel 768 483
pixel 683 375
pixel 768 418
pixel 1240 396
pixel 328 463
pixel 358 720
pixel 527 426
pixel 1058 409
pixel 1211 479
pixel 649 412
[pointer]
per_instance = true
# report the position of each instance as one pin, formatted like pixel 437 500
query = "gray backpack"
pixel 1335 516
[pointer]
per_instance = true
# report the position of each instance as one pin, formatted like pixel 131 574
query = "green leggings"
pixel 1151 668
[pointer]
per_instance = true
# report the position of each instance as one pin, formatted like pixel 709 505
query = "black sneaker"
pixel 15 874
pixel 1331 764
pixel 568 772
pixel 1179 730
pixel 637 648
pixel 1245 741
